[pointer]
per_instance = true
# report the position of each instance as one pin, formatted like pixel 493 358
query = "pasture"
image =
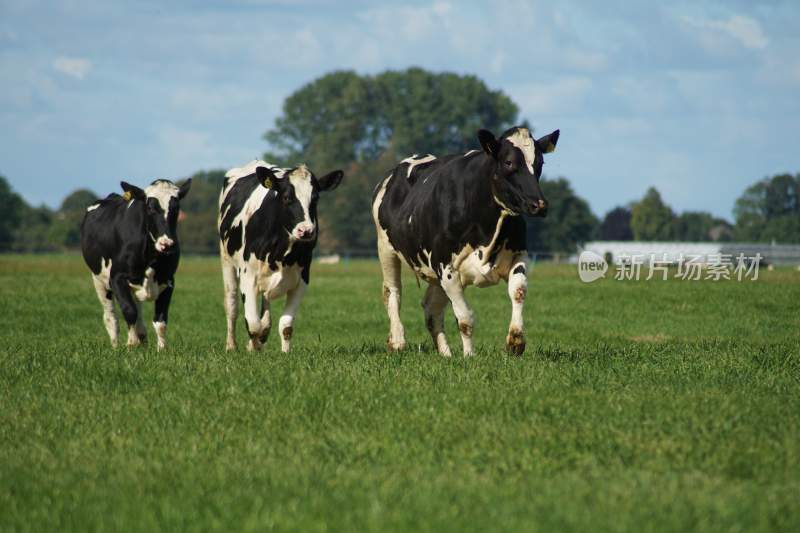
pixel 660 406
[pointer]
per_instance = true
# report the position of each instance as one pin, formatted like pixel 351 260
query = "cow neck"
pixel 492 214
pixel 148 246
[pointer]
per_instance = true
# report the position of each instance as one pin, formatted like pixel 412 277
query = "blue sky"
pixel 698 99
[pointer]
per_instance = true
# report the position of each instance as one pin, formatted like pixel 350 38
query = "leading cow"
pixel 456 221
pixel 268 230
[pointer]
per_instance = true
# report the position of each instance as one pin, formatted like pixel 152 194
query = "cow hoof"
pixel 395 346
pixel 230 346
pixel 515 342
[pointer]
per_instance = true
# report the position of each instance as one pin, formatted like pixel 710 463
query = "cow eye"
pixel 286 198
pixel 509 163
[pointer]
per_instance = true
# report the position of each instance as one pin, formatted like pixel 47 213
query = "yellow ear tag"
pixel 127 196
pixel 268 183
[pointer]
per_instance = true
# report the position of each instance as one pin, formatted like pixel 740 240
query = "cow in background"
pixel 456 221
pixel 130 243
pixel 268 230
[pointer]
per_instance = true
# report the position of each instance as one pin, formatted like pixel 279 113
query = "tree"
pixel 769 210
pixel 364 124
pixel 12 208
pixel 65 226
pixel 693 226
pixel 651 218
pixel 616 225
pixel 197 224
pixel 569 220
pixel 77 201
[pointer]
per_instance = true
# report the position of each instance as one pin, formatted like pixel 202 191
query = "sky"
pixel 698 99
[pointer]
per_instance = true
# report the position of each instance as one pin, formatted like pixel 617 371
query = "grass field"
pixel 660 406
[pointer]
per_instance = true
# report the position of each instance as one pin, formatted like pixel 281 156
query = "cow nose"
pixel 305 233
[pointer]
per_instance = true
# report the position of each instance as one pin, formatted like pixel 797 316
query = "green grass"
pixel 661 406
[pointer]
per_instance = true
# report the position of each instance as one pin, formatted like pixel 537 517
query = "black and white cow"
pixel 268 230
pixel 130 244
pixel 455 220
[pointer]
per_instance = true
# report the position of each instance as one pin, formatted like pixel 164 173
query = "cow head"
pixel 297 193
pixel 518 160
pixel 162 204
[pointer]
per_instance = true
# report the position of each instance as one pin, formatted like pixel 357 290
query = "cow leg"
pixel 141 330
pixel 230 283
pixel 106 298
pixel 285 324
pixel 434 303
pixel 266 320
pixel 250 296
pixel 161 316
pixel 129 308
pixel 392 292
pixel 451 284
pixel 517 289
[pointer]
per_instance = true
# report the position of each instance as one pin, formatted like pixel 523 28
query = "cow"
pixel 130 243
pixel 457 221
pixel 268 230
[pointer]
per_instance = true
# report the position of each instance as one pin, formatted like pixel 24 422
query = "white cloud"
pixel 560 96
pixel 585 60
pixel 76 67
pixel 744 30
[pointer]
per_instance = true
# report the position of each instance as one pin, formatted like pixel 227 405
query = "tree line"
pixel 364 124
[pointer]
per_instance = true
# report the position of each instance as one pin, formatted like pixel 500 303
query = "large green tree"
pixel 569 220
pixel 362 124
pixel 769 210
pixel 651 218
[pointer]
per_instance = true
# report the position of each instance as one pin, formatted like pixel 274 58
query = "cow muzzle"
pixel 537 208
pixel 304 232
pixel 164 244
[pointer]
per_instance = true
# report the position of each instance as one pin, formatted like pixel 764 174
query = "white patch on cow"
pixel 415 160
pixel 409 218
pixel 162 191
pixel 149 289
pixel 92 207
pixel 161 334
pixel 521 138
pixel 102 285
pixel 471 152
pixel 300 178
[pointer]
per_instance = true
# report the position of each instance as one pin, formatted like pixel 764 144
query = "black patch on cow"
pixel 519 270
pixel 234 239
pixel 243 299
pixel 109 295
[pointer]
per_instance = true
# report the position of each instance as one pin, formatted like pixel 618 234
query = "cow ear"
pixel 266 177
pixel 488 142
pixel 331 180
pixel 132 192
pixel 548 143
pixel 184 188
